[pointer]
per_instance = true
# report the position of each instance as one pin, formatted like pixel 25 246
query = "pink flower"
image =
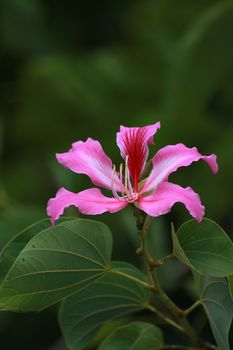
pixel 154 195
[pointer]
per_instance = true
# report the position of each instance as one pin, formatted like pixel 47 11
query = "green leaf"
pixel 218 305
pixel 55 263
pixel 108 328
pixel 135 336
pixel 205 247
pixel 110 297
pixel 11 244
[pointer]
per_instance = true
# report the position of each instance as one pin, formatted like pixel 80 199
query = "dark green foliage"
pixel 78 70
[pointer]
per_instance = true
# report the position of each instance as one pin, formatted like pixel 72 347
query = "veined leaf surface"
pixel 205 247
pixel 135 336
pixel 56 263
pixel 110 297
pixel 218 305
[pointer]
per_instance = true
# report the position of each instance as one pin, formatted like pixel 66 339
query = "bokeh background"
pixel 77 69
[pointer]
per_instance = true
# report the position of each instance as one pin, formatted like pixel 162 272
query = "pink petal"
pixel 170 158
pixel 133 142
pixel 89 158
pixel 89 202
pixel 166 195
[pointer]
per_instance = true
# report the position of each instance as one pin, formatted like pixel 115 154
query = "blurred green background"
pixel 78 69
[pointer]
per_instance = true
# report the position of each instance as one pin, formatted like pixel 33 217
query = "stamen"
pixel 128 193
pixel 121 172
pixel 121 178
pixel 130 188
pixel 115 194
pixel 126 175
pixel 113 187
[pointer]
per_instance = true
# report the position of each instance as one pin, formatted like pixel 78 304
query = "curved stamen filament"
pixel 129 193
pixel 121 172
pixel 115 194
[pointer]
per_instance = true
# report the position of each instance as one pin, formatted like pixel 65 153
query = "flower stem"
pixel 143 227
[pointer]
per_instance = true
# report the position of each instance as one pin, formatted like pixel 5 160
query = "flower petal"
pixel 89 158
pixel 166 195
pixel 170 158
pixel 133 142
pixel 89 202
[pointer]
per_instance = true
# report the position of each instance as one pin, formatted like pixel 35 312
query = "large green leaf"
pixel 11 244
pixel 218 305
pixel 55 263
pixel 135 336
pixel 110 297
pixel 205 247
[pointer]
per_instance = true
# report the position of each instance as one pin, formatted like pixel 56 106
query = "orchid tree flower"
pixel 154 195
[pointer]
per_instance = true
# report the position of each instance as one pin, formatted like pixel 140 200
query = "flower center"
pixel 128 192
